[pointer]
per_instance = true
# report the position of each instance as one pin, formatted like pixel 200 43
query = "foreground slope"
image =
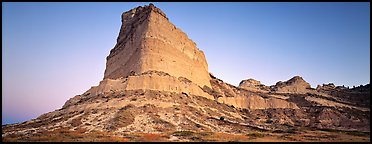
pixel 126 112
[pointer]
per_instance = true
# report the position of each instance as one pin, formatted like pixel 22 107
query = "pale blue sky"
pixel 54 51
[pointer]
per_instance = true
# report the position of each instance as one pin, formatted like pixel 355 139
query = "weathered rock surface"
pixel 253 85
pixel 325 87
pixel 246 98
pixel 149 42
pixel 257 102
pixel 150 80
pixel 295 85
pixel 249 83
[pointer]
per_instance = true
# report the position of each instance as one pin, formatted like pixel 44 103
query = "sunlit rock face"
pixel 253 85
pixel 148 41
pixel 150 80
pixel 296 85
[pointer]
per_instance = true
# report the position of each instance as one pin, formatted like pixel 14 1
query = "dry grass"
pixel 148 137
pixel 229 137
pixel 183 133
pixel 80 135
pixel 65 135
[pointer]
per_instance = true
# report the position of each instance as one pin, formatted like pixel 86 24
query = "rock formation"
pixel 246 98
pixel 295 85
pixel 253 85
pixel 249 83
pixel 149 42
pixel 151 53
pixel 326 87
pixel 157 81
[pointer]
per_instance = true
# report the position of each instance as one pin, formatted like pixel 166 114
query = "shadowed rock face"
pixel 149 42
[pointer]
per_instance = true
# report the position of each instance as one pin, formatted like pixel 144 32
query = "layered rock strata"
pixel 149 42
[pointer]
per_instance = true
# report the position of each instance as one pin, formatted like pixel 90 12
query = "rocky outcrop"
pixel 149 42
pixel 332 87
pixel 257 102
pixel 253 85
pixel 243 98
pixel 296 85
pixel 250 83
pixel 326 87
pixel 150 80
pixel 72 101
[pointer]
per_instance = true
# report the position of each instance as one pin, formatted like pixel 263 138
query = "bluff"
pixel 151 53
pixel 148 41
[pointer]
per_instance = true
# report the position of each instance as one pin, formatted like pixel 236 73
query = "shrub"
pixel 269 121
pixel 357 133
pixel 198 125
pixel 222 118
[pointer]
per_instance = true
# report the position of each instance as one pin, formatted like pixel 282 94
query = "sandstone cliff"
pixel 148 41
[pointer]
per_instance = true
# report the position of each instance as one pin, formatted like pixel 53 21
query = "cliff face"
pixel 149 42
pixel 150 80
